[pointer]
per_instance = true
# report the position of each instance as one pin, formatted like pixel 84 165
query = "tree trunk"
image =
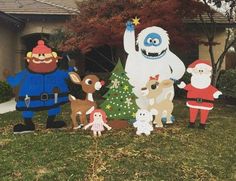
pixel 215 77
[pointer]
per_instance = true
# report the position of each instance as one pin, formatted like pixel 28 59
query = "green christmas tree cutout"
pixel 119 100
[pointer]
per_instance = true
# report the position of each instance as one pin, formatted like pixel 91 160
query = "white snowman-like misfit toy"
pixel 143 122
pixel 153 57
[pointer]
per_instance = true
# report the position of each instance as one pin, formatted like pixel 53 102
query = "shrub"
pixel 5 92
pixel 227 83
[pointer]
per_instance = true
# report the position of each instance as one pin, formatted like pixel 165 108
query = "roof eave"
pixel 16 22
pixel 39 13
pixel 223 25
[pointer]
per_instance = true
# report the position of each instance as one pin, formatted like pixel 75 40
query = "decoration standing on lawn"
pixel 98 120
pixel 42 86
pixel 120 100
pixel 143 122
pixel 163 109
pixel 152 58
pixel 90 84
pixel 201 93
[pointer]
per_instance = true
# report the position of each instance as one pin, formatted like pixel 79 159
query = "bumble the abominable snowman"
pixel 152 58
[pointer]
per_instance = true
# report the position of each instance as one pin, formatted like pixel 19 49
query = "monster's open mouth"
pixel 153 55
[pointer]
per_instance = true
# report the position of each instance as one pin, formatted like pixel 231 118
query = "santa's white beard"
pixel 200 81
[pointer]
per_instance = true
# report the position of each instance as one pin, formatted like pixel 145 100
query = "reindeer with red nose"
pixel 90 84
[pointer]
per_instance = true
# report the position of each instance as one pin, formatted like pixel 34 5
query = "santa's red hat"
pixel 41 48
pixel 197 62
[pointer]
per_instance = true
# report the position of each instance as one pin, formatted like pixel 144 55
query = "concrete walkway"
pixel 8 106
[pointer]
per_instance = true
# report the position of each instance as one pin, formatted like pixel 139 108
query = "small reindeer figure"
pixel 153 89
pixel 90 84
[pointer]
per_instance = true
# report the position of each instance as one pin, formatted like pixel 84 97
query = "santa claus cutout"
pixel 200 92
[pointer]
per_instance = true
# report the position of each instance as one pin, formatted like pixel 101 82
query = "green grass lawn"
pixel 177 153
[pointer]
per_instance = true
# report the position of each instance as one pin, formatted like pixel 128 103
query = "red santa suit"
pixel 200 94
pixel 204 97
pixel 200 99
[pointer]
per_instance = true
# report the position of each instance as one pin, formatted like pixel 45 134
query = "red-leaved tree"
pixel 102 22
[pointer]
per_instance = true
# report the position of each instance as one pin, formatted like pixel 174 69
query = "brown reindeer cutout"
pixel 90 84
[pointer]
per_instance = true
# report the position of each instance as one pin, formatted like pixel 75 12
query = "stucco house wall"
pixel 7 48
pixel 43 26
pixel 220 37
pixel 38 17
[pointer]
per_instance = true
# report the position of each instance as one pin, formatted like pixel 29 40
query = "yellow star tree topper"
pixel 136 21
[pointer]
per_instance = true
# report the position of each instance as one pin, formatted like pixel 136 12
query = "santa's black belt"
pixel 43 97
pixel 200 100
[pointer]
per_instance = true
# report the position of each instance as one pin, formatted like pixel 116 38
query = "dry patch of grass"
pixel 176 153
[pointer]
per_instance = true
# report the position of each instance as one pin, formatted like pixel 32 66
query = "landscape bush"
pixel 6 92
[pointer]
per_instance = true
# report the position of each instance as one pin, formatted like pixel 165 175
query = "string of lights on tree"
pixel 119 100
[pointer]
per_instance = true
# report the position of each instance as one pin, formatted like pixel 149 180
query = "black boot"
pixel 54 124
pixel 191 125
pixel 24 128
pixel 202 126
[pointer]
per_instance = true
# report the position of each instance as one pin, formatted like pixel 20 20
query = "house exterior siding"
pixel 8 38
pixel 220 37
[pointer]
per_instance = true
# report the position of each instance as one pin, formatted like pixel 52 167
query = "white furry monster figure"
pixel 152 58
pixel 143 122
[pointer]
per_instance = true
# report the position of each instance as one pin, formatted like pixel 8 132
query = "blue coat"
pixel 40 88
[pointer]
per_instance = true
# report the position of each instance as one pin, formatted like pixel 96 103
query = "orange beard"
pixel 42 67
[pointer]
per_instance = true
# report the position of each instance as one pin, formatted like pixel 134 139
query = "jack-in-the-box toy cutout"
pixel 200 92
pixel 42 86
pixel 152 58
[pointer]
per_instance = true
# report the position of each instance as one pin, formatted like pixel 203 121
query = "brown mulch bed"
pixel 119 124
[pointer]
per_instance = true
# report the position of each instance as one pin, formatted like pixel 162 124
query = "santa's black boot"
pixel 24 128
pixel 51 123
pixel 202 126
pixel 191 125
